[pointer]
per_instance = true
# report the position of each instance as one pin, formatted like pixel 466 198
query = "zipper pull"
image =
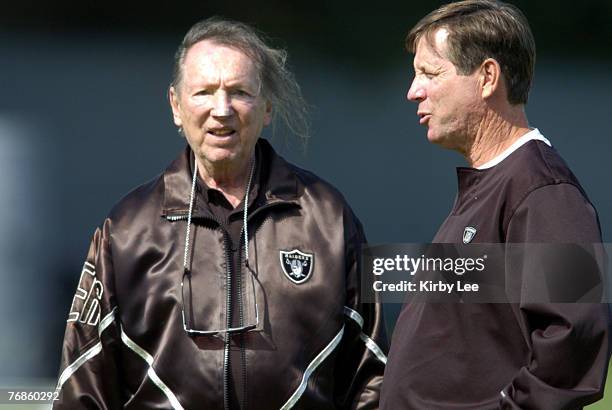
pixel 174 218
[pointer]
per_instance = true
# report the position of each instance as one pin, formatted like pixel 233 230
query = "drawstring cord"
pixel 244 217
pixel 245 213
pixel 191 197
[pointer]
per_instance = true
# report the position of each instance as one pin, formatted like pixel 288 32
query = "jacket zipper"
pixel 239 289
pixel 228 299
pixel 241 317
pixel 228 322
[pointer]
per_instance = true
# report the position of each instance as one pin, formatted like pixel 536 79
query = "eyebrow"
pixel 425 66
pixel 238 82
pixel 233 83
pixel 245 82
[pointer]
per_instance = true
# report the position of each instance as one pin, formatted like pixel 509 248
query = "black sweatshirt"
pixel 485 356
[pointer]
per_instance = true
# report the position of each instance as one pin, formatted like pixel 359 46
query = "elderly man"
pixel 473 68
pixel 231 280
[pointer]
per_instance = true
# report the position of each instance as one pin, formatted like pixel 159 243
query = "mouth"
pixel 424 118
pixel 222 132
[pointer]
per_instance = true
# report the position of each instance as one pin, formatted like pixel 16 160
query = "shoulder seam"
pixel 535 188
pixel 543 158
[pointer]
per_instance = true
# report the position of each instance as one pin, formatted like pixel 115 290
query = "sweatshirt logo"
pixel 468 234
pixel 296 265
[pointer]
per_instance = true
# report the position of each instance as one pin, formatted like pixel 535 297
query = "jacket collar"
pixel 281 181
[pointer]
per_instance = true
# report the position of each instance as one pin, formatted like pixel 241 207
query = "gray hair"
pixel 277 82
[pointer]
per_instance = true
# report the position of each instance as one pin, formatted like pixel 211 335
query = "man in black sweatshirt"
pixel 473 66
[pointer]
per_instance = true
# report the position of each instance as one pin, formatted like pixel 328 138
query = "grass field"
pixel 606 402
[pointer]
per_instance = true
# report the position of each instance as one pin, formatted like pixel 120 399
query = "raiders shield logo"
pixel 296 265
pixel 468 234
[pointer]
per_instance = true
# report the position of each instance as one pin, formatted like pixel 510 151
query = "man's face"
pixel 219 104
pixel 450 105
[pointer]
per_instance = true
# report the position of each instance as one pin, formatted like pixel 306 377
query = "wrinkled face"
pixel 449 104
pixel 219 104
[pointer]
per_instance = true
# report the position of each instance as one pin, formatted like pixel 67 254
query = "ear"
pixel 173 98
pixel 268 113
pixel 490 77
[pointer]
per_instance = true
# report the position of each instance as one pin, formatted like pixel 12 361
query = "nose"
pixel 416 92
pixel 222 106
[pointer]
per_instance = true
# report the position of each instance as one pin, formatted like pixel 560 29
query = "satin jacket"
pixel 313 344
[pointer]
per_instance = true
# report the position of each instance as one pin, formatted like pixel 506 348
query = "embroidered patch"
pixel 468 234
pixel 296 265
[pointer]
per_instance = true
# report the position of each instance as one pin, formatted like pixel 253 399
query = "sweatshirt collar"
pixel 531 135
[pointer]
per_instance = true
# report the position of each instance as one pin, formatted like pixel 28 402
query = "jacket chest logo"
pixel 468 234
pixel 296 265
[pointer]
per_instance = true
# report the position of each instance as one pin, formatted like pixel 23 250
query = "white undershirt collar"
pixel 531 135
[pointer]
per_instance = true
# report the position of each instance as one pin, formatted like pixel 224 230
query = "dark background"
pixel 84 119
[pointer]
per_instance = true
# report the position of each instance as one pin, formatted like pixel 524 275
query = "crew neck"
pixel 534 134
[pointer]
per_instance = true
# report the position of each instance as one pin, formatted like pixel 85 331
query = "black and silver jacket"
pixel 314 344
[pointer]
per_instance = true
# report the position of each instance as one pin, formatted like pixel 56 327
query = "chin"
pixel 443 141
pixel 433 137
pixel 219 155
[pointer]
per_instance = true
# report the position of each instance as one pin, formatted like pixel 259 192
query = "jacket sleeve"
pixel 363 351
pixel 568 341
pixel 88 372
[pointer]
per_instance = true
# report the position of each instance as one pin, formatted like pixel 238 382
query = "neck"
pixel 497 131
pixel 230 179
